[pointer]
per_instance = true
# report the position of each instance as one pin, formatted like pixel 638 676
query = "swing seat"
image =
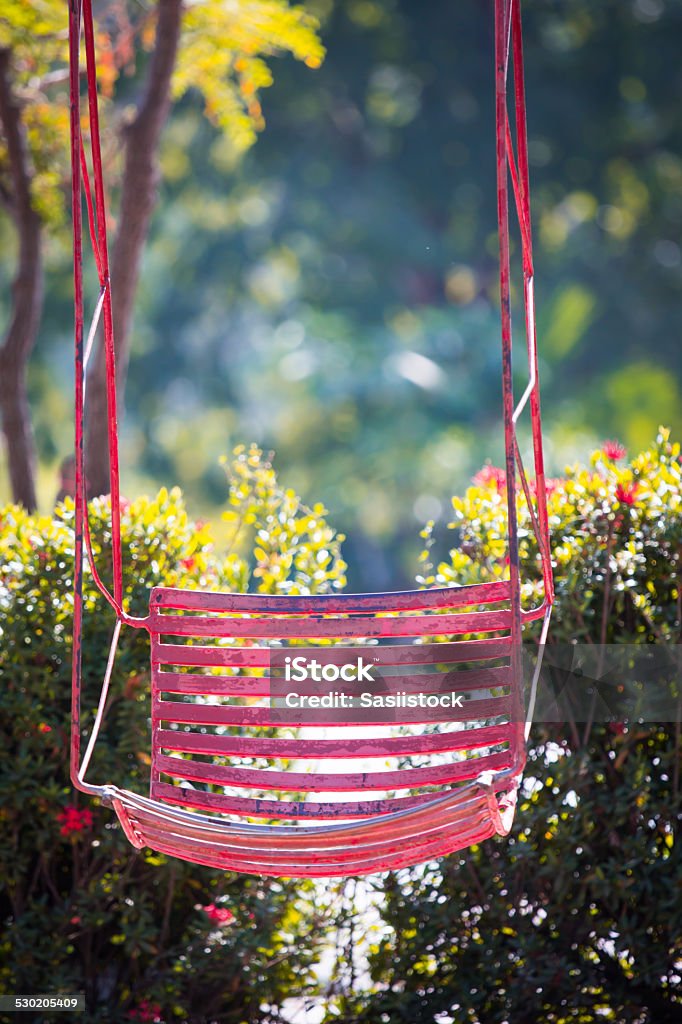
pixel 241 782
pixel 445 824
pixel 218 748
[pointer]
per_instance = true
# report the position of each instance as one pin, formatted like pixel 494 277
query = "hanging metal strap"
pixel 80 22
pixel 80 19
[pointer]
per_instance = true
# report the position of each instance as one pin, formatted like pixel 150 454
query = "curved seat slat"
pixel 249 807
pixel 463 681
pixel 407 819
pixel 319 628
pixel 445 653
pixel 322 604
pixel 330 782
pixel 318 749
pixel 263 717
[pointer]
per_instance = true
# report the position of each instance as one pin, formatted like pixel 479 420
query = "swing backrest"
pixel 216 732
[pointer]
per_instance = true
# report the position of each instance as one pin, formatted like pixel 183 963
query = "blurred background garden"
pixel 331 292
pixel 321 279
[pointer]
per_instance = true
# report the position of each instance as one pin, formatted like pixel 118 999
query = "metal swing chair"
pixel 219 793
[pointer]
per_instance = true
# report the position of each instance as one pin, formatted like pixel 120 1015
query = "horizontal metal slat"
pixel 448 652
pixel 245 686
pixel 330 782
pixel 214 715
pixel 304 748
pixel 283 809
pixel 286 604
pixel 315 627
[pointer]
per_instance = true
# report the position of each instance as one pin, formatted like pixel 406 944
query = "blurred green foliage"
pixel 220 58
pixel 34 34
pixel 333 294
pixel 82 911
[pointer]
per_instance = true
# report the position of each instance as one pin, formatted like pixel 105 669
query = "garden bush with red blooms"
pixel 616 528
pixel 614 450
pixel 577 917
pixel 146 1011
pixel 145 937
pixel 218 915
pixel 73 821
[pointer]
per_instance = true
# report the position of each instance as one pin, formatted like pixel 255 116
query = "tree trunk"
pixel 27 301
pixel 138 198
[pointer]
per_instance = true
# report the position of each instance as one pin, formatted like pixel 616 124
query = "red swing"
pixel 203 799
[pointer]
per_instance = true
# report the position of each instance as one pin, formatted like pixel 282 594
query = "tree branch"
pixel 27 301
pixel 138 199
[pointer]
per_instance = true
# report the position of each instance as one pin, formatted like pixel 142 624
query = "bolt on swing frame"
pixel 471 813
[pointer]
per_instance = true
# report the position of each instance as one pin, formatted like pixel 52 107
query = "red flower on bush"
pixel 491 474
pixel 626 494
pixel 613 450
pixel 188 563
pixel 74 821
pixel 551 485
pixel 218 915
pixel 146 1011
pixel 44 727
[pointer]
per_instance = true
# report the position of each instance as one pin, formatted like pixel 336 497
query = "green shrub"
pixel 577 916
pixel 144 936
pixel 616 531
